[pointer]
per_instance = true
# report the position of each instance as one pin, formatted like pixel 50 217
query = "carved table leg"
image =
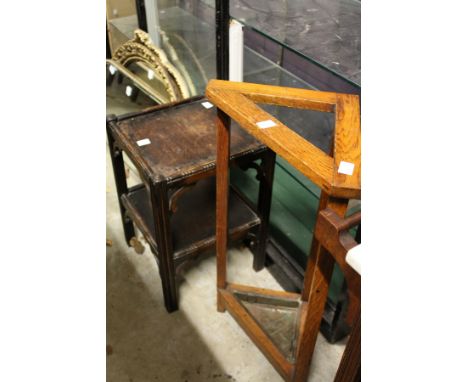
pixel 264 205
pixel 120 183
pixel 160 206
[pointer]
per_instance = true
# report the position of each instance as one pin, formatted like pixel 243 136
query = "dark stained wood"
pixel 264 206
pixel 222 38
pixel 162 233
pixel 183 143
pixel 120 181
pixel 173 201
pixel 193 224
pixel 175 209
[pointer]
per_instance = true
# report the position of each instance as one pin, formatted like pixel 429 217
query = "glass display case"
pixel 118 10
pixel 327 32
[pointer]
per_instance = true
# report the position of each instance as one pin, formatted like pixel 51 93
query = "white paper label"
pixel 207 105
pixel 112 69
pixel 346 168
pixel 143 142
pixel 150 74
pixel 128 91
pixel 266 124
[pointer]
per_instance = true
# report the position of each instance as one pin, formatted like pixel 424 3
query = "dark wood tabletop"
pixel 183 140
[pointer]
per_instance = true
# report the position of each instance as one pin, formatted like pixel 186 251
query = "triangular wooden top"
pixel 339 176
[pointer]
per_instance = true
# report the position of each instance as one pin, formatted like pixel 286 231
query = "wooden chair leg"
pixel 160 206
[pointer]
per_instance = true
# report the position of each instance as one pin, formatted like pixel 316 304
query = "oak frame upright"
pixel 338 176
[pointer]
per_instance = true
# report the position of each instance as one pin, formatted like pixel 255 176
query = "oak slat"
pixel 222 196
pixel 347 141
pixel 256 334
pixel 275 95
pixel 262 291
pixel 308 159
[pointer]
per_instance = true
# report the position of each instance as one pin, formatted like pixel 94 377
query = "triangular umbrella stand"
pixel 285 325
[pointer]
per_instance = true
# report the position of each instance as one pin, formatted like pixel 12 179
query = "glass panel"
pixel 121 16
pixel 188 42
pixel 187 36
pixel 190 45
pixel 316 127
pixel 328 32
pixel 318 40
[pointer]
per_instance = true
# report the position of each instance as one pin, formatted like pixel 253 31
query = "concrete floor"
pixel 196 343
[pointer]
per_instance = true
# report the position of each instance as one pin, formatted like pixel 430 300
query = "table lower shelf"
pixel 193 223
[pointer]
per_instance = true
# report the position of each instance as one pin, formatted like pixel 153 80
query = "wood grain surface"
pixel 279 95
pixel 256 334
pixel 238 101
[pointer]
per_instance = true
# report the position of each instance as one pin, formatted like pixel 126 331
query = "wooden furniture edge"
pixel 236 101
pixel 279 138
pixel 280 294
pixel 275 95
pixel 256 334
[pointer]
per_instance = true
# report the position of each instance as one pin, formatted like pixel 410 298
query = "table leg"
pixel 120 183
pixel 160 206
pixel 264 206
